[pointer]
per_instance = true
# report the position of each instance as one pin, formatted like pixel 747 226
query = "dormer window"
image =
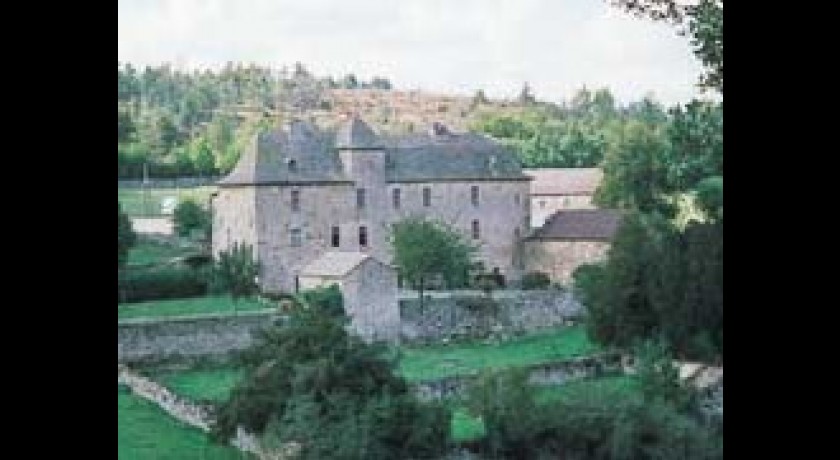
pixel 292 164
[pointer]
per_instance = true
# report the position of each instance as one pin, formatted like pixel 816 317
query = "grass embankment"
pixel 189 307
pixel 145 432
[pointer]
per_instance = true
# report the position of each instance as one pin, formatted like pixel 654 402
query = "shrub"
pixel 236 271
pixel 189 216
pixel 588 425
pixel 311 383
pixel 535 280
pixel 329 299
pixel 160 283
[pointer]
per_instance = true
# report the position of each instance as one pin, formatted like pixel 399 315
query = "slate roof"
pixel 294 153
pixel 335 264
pixel 450 156
pixel 414 158
pixel 579 225
pixel 564 181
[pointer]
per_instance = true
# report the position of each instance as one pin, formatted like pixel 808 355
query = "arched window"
pixel 292 164
pixel 476 234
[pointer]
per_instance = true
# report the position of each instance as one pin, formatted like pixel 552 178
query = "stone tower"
pixel 364 160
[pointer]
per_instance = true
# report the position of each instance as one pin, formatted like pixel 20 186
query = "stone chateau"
pixel 298 193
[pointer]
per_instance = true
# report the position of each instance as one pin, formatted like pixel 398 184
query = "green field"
pixel 187 307
pixel 147 252
pixel 419 363
pixel 144 432
pixel 137 202
pixel 433 362
pixel 211 384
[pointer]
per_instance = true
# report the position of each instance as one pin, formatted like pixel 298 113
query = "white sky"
pixel 447 46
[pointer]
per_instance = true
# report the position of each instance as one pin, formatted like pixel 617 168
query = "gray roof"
pixel 449 156
pixel 335 264
pixel 580 225
pixel 294 153
pixel 356 134
pixel 413 158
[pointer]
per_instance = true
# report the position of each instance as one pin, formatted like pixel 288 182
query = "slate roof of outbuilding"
pixel 580 225
pixel 412 158
pixel 335 263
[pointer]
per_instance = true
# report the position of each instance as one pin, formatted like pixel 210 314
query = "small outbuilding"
pixel 569 239
pixel 369 288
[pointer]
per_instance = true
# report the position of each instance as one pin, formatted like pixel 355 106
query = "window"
pixel 542 203
pixel 292 164
pixel 360 198
pixel 475 230
pixel 516 198
pixel 427 196
pixel 295 237
pixel 295 200
pixel 474 195
pixel 516 233
pixel 396 197
pixel 336 237
pixel 363 237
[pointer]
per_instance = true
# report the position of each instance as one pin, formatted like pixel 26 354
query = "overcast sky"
pixel 448 46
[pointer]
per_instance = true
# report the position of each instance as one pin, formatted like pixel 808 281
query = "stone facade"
pixel 559 259
pixel 293 188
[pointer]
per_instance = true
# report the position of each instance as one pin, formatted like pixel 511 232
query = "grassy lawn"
pixel 186 307
pixel 212 384
pixel 145 432
pixel 136 202
pixel 432 362
pixel 147 252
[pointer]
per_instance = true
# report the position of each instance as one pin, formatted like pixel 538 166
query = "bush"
pixel 160 283
pixel 236 271
pixel 587 426
pixel 189 216
pixel 328 299
pixel 309 382
pixel 535 280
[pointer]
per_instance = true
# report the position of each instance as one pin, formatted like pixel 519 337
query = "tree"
pixel 424 249
pixel 310 383
pixel 126 237
pixel 205 163
pixel 189 216
pixel 479 98
pixel 236 271
pixel 526 97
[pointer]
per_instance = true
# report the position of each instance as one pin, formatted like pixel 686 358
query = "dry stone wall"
pixel 151 340
pixel 519 311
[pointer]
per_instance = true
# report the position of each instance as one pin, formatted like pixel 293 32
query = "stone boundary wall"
pixel 548 374
pixel 446 316
pixel 192 414
pixel 207 336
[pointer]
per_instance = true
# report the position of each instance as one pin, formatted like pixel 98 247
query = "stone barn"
pixel 369 288
pixel 556 189
pixel 569 239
